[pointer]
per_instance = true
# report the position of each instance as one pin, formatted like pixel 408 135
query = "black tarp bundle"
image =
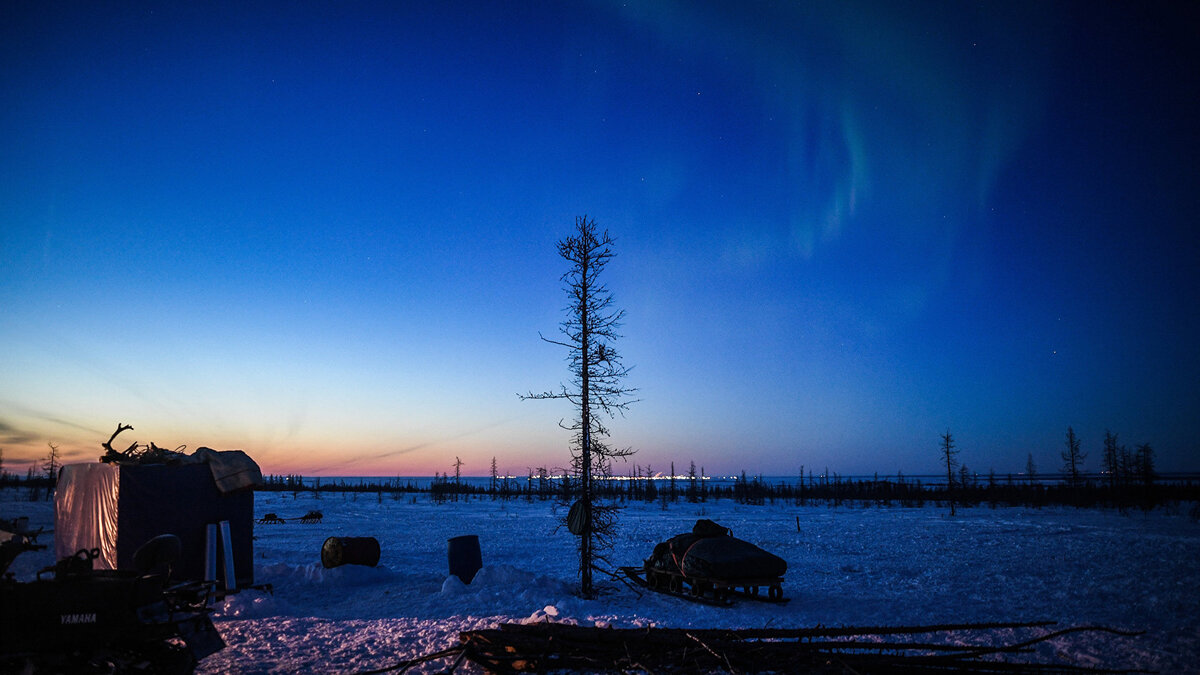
pixel 116 508
pixel 712 552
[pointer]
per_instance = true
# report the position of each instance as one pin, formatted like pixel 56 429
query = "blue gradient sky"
pixel 324 233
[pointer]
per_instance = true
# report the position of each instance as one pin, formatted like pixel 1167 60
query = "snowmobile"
pixel 73 618
pixel 711 566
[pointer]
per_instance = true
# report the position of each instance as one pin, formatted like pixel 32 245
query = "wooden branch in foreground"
pixel 547 647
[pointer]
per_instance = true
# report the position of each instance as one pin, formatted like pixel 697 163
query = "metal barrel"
pixel 337 551
pixel 465 558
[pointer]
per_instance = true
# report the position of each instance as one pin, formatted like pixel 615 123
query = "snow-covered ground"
pixel 847 566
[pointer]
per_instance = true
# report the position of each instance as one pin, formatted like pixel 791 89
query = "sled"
pixel 270 519
pixel 704 590
pixel 312 517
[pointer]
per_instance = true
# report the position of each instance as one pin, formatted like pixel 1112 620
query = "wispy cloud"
pixel 412 448
pixel 45 417
pixel 11 435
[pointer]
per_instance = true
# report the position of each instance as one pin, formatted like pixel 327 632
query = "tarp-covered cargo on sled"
pixel 711 565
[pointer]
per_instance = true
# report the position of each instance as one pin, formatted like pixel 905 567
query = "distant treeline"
pixel 1092 490
pixel 1089 490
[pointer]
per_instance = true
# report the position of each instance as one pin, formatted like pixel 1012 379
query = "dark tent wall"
pixel 183 500
pixel 151 500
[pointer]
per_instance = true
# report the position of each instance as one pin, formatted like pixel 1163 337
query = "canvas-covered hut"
pixel 117 507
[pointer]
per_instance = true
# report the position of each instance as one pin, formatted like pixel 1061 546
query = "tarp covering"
pixel 709 551
pixel 118 507
pixel 232 470
pixel 85 512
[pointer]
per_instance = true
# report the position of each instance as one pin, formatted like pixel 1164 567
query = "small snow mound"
pixel 511 578
pixel 499 575
pixel 544 615
pixel 357 575
pixel 453 586
pixel 246 605
pixel 315 573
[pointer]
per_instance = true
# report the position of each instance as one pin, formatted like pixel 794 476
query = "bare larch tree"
pixel 51 467
pixel 1073 458
pixel 1112 460
pixel 948 455
pixel 595 390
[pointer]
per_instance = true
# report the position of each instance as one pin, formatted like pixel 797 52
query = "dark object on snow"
pixel 15 539
pixel 83 619
pixel 18 528
pixel 312 517
pixel 117 508
pixel 270 519
pixel 710 551
pixel 10 549
pixel 579 519
pixel 337 551
pixel 465 557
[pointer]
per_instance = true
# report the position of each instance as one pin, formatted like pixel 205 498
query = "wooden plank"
pixel 210 552
pixel 227 545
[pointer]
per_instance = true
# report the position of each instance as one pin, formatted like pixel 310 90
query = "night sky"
pixel 325 232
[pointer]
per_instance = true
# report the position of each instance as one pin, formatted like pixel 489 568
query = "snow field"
pixel 847 566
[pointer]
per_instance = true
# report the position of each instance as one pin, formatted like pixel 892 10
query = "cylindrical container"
pixel 465 558
pixel 337 551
